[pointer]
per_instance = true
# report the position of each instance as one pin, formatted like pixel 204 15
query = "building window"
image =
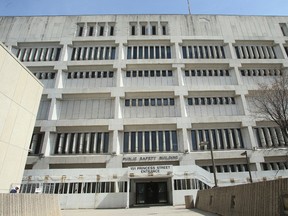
pixel 133 31
pixel 91 29
pixel 44 75
pixel 89 74
pixel 36 143
pixel 211 101
pixel 261 72
pixel 283 165
pixel 268 137
pixel 284 29
pixel 93 53
pixel 82 143
pixel 150 141
pixel 220 138
pixel 227 168
pixel 111 31
pixel 207 72
pixel 154 29
pixel 76 187
pixel 255 52
pixel 143 29
pixel 189 184
pixel 151 102
pixel 200 52
pixel 80 30
pixel 101 30
pixel 36 54
pixel 151 52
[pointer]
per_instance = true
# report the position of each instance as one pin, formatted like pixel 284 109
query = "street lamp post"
pixel 248 164
pixel 205 143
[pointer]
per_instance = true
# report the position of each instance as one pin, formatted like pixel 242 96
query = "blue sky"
pixel 82 7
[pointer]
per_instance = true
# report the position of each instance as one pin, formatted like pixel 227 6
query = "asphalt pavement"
pixel 139 211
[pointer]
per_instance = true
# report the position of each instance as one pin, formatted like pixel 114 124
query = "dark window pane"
pixel 147 141
pixel 140 141
pixel 127 102
pixel 146 102
pixel 133 141
pixel 167 140
pixel 165 101
pixel 146 56
pixel 106 142
pixel 153 30
pixel 135 52
pixel 174 141
pixel 153 139
pixel 168 50
pixel 184 52
pixel 160 140
pixel 158 74
pixel 133 30
pixel 151 52
pixel 140 52
pixel 152 102
pixel 140 102
pixel 157 52
pixel 126 142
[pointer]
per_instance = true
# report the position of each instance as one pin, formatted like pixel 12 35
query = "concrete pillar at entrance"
pixel 128 189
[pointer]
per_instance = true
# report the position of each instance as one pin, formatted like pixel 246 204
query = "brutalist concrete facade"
pixel 129 98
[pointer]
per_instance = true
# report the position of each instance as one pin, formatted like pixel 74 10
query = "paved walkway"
pixel 155 210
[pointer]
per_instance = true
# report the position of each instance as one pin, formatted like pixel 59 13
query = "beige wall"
pixel 261 198
pixel 29 205
pixel 20 94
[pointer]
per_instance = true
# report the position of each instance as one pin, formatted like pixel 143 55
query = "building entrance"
pixel 151 193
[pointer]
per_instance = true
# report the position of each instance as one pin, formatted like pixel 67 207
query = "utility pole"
pixel 188 2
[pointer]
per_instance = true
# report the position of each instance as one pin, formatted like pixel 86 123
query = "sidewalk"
pixel 155 210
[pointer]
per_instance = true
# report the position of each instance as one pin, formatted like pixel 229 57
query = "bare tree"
pixel 271 102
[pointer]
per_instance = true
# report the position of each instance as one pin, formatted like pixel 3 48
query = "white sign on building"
pixel 143 171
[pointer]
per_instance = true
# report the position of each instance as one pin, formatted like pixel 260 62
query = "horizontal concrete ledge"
pixel 29 205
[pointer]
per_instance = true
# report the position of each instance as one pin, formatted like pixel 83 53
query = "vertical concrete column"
pixel 59 79
pixel 54 110
pixel 186 146
pixel 66 50
pixel 242 104
pixel 45 150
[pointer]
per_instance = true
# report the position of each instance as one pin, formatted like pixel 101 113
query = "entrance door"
pixel 151 193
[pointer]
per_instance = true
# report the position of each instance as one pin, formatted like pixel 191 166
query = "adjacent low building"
pixel 20 94
pixel 129 98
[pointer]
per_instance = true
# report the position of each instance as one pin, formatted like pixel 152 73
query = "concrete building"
pixel 129 98
pixel 20 94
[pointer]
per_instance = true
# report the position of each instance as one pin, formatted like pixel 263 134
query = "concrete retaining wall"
pixel 29 205
pixel 263 198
